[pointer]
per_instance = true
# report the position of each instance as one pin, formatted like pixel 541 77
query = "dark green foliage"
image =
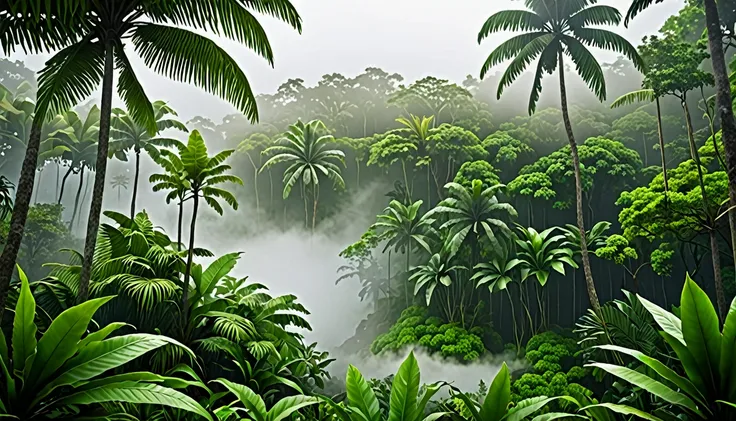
pixel 476 170
pixel 414 327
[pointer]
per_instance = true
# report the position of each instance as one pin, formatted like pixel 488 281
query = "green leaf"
pixel 61 341
pixel 136 393
pixel 254 403
pixel 361 395
pixel 101 334
pixel 624 410
pixel 498 398
pixel 667 321
pixel 215 271
pixel 728 348
pixel 525 409
pixel 288 405
pixel 650 385
pixel 404 390
pixel 700 331
pixel 24 328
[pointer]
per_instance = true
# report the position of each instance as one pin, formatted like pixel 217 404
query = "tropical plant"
pixel 405 404
pixel 550 36
pixel 63 373
pixel 438 271
pixel 419 131
pixel 78 137
pixel 405 230
pixel 254 405
pixel 97 50
pixel 698 382
pixel 307 150
pixel 119 182
pixel 473 215
pixel 128 134
pixel 203 174
pixel 173 179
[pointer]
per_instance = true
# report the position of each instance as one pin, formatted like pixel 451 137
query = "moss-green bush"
pixel 415 327
pixel 555 368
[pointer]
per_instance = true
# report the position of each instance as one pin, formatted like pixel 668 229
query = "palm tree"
pixel 307 151
pixel 119 182
pixel 473 214
pixel 203 174
pixel 156 32
pixel 128 134
pixel 79 139
pixel 174 180
pixel 405 229
pixel 553 29
pixel 419 129
pixel 647 95
pixel 51 26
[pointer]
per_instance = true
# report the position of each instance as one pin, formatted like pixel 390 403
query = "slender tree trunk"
pixel 178 225
pixel 98 190
pixel 84 198
pixel 315 199
pixel 63 184
pixel 56 191
pixel 694 152
pixel 135 182
pixel 76 198
pixel 646 153
pixel 255 187
pixel 357 173
pixel 188 270
pixel 660 134
pixel 720 295
pixel 20 211
pixel 592 294
pixel 725 108
pixel 406 283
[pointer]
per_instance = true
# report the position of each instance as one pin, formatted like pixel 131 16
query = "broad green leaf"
pixel 254 403
pixel 404 390
pixel 101 334
pixel 429 392
pixel 557 416
pixel 728 346
pixel 361 395
pixel 215 271
pixel 98 357
pixel 288 405
pixel 525 410
pixel 687 360
pixel 662 370
pixel 24 328
pixel 624 410
pixel 498 398
pixel 650 385
pixel 667 321
pixel 700 331
pixel 136 393
pixel 61 341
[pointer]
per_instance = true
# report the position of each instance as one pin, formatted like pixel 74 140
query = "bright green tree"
pixel 549 36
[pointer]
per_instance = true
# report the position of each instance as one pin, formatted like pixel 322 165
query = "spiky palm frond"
pixel 403 227
pixel 438 271
pixel 550 30
pixel 306 149
pixel 641 95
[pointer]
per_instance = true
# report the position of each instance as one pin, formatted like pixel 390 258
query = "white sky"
pixel 416 38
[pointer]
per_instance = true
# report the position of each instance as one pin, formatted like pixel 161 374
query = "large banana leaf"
pixel 288 405
pixel 361 395
pixel 497 400
pixel 404 390
pixel 24 328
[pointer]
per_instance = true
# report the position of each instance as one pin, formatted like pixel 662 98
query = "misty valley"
pixel 551 238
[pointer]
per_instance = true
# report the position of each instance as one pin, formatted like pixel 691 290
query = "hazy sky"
pixel 416 38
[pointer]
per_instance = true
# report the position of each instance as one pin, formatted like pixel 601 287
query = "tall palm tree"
pixel 554 29
pixel 473 214
pixel 163 35
pixel 307 150
pixel 35 26
pixel 128 134
pixel 174 180
pixel 78 137
pixel 119 182
pixel 647 95
pixel 405 229
pixel 419 129
pixel 203 174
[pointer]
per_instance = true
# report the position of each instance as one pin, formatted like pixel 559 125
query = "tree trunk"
pixel 135 182
pixel 20 211
pixel 56 191
pixel 188 271
pixel 592 294
pixel 646 153
pixel 255 186
pixel 84 197
pixel 98 190
pixel 178 225
pixel 76 199
pixel 315 199
pixel 63 184
pixel 725 108
pixel 720 295
pixel 406 283
pixel 694 152
pixel 660 134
